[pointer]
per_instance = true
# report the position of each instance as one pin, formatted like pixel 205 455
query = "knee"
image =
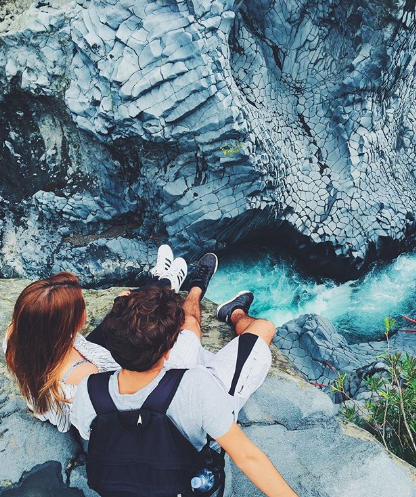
pixel 269 330
pixel 263 328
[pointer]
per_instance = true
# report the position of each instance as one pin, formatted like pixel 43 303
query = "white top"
pixel 97 355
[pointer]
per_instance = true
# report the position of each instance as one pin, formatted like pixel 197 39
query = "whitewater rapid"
pixel 282 292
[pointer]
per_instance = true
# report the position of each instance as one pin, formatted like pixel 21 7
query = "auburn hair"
pixel 46 317
pixel 143 326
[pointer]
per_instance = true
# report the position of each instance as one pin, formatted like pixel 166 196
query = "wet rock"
pixel 78 479
pixel 44 480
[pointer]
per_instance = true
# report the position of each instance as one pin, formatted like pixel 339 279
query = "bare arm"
pixel 80 372
pixel 254 463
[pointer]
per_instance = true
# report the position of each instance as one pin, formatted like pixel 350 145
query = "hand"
pixel 124 293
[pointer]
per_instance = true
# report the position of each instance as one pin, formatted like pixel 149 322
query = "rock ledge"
pixel 293 422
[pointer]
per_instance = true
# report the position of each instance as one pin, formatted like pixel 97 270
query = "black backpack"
pixel 141 453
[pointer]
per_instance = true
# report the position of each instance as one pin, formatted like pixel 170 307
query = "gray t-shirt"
pixel 200 406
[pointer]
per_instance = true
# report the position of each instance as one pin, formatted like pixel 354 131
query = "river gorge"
pixel 280 135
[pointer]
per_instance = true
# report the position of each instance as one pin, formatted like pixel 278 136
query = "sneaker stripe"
pixel 176 273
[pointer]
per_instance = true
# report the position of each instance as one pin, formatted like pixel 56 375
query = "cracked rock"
pixel 312 102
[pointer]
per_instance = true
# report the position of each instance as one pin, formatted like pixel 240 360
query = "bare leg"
pixel 243 323
pixel 192 308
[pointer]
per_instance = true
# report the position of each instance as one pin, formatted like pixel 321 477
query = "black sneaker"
pixel 242 300
pixel 205 268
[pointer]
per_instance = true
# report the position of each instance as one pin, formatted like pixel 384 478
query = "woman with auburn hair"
pixel 44 351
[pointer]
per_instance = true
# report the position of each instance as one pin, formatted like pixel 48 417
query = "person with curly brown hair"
pixel 141 331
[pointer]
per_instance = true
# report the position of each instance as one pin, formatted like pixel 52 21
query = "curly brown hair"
pixel 143 326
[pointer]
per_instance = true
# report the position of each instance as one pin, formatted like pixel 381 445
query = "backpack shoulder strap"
pixel 161 397
pixel 98 391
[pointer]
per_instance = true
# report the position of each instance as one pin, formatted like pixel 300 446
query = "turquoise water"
pixel 357 308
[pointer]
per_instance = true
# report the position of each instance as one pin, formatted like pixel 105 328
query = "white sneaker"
pixel 164 260
pixel 176 273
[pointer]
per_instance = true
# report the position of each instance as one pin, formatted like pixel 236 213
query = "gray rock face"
pixel 291 403
pixel 333 461
pixel 26 444
pixel 128 122
pixel 316 348
pixel 293 422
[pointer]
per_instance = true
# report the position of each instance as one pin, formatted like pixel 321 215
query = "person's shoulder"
pixel 83 412
pixel 81 394
pixel 80 339
pixel 83 384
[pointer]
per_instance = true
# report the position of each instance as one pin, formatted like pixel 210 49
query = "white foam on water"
pixel 358 308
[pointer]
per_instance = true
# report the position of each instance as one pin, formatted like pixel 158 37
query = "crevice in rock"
pixel 10 413
pixel 247 424
pixel 79 240
pixel 77 461
pixel 306 424
pixel 29 160
pixel 44 480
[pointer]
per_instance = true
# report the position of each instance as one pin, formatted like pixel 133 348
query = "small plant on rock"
pixel 230 150
pixel 390 413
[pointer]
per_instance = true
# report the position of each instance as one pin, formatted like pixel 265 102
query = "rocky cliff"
pixel 128 122
pixel 292 421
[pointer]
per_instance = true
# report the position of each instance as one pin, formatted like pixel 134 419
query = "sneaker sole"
pixel 216 262
pixel 235 296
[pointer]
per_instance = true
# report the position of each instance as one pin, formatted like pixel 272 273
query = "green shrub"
pixel 391 412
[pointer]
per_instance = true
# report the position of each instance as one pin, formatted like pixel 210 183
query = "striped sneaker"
pixel 242 300
pixel 176 273
pixel 164 260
